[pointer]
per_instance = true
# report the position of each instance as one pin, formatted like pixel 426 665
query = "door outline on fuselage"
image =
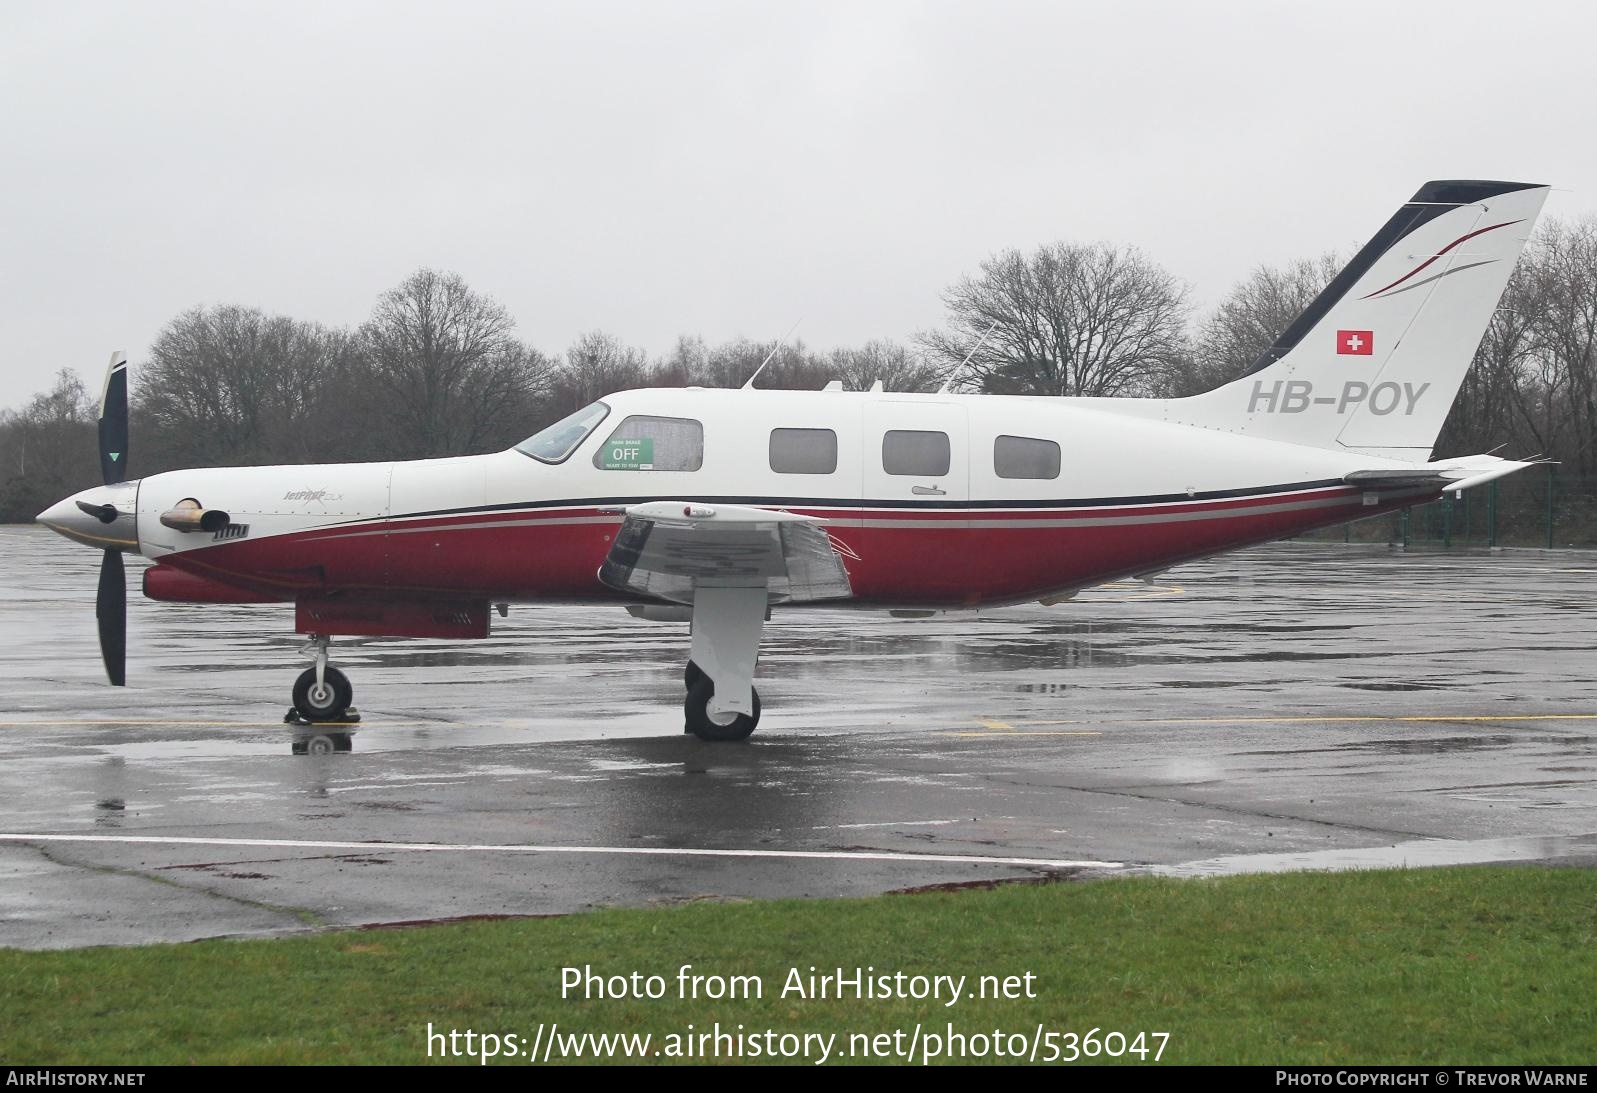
pixel 914 536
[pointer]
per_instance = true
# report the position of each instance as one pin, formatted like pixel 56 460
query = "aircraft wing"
pixel 665 547
pixel 1454 474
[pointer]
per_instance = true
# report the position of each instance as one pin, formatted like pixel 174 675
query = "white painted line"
pixel 522 848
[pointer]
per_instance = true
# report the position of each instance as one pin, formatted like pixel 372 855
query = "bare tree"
pixel 448 368
pixel 229 385
pixel 1069 319
pixel 1566 337
pixel 1249 320
pixel 894 365
pixel 1499 401
pixel 687 365
pixel 730 364
pixel 694 363
pixel 596 364
pixel 788 365
pixel 48 448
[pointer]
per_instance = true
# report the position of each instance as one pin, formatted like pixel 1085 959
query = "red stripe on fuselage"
pixel 951 557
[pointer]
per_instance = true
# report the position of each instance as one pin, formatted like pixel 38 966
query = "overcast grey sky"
pixel 724 168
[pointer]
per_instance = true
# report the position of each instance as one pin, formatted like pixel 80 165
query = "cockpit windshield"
pixel 554 444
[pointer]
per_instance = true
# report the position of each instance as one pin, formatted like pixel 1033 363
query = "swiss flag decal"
pixel 1357 343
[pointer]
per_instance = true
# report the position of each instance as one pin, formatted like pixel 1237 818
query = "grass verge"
pixel 1446 966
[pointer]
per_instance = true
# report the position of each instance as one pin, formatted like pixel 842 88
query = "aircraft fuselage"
pixel 1127 495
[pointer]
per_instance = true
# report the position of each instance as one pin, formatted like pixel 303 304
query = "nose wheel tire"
pixel 328 701
pixel 691 675
pixel 724 727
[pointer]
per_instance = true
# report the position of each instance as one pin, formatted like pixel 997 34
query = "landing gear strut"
pixel 721 702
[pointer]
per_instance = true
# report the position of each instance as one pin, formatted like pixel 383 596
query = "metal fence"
pixel 1534 508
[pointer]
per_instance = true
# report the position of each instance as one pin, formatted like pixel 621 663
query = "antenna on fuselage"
pixel 949 382
pixel 749 383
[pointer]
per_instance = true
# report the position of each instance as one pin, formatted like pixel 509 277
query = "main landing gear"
pixel 322 715
pixel 721 702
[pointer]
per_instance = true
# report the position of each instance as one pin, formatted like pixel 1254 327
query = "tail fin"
pixel 1374 363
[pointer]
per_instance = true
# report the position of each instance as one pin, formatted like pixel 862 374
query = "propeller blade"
pixel 111 609
pixel 114 421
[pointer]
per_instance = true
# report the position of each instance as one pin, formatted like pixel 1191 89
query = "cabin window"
pixel 1024 457
pixel 803 451
pixel 556 443
pixel 915 452
pixel 644 443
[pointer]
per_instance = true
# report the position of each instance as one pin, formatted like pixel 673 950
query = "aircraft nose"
pixel 104 516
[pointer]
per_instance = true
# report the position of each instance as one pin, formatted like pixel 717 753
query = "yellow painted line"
pixel 1160 592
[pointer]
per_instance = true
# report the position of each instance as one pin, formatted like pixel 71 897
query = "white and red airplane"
pixel 717 506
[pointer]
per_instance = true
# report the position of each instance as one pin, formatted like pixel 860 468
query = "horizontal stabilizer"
pixel 1448 474
pixel 1402 479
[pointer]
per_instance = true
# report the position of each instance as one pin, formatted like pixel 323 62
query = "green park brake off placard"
pixel 628 455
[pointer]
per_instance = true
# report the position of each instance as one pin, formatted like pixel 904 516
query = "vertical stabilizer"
pixel 1374 362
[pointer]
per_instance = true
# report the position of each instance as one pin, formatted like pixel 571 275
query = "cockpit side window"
pixel 645 443
pixel 556 443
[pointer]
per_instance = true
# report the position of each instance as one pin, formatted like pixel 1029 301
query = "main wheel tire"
pixel 691 675
pixel 702 725
pixel 327 703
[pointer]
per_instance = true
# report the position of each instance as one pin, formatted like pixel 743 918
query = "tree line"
pixel 439 369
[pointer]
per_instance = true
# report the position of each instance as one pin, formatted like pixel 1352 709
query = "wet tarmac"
pixel 1291 707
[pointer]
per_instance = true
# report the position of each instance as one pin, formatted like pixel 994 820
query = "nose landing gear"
pixel 321 714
